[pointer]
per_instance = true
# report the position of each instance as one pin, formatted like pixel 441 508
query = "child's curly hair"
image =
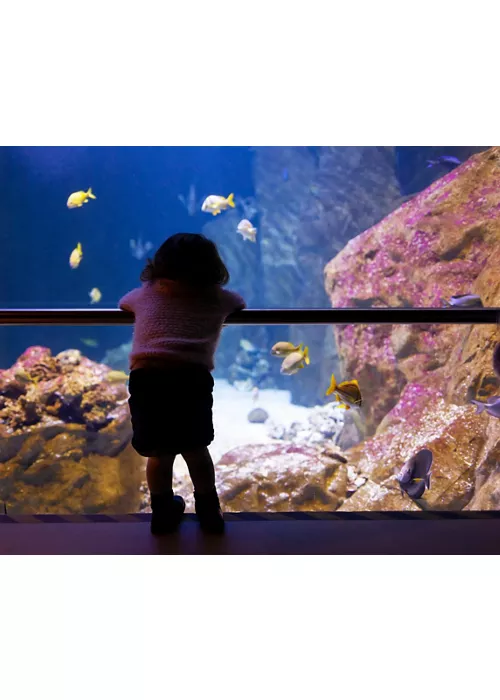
pixel 187 257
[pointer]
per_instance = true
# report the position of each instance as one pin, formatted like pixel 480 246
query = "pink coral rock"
pixel 65 437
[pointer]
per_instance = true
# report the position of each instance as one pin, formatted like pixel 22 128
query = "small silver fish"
pixel 415 475
pixel 464 300
pixel 491 406
pixel 139 249
pixel 448 160
pixel 247 346
pixel 190 201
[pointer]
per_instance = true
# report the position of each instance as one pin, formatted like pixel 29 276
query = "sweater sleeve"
pixel 127 302
pixel 234 302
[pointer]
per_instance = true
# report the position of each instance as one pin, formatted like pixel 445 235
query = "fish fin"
pixel 306 356
pixel 332 386
pixel 346 406
pixel 230 200
pixel 479 406
pixel 80 205
pixel 90 194
pixel 428 481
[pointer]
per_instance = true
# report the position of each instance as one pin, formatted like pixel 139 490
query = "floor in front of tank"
pixel 389 535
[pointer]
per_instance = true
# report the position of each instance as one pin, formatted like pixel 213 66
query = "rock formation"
pixel 65 437
pixel 417 381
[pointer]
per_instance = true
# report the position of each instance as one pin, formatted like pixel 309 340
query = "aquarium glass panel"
pixel 298 227
pixel 408 421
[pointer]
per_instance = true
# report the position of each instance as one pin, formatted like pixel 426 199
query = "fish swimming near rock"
pixel 116 376
pixel 415 475
pixel 464 301
pixel 22 376
pixel 346 393
pixel 95 295
pixel 76 256
pixel 78 199
pixel 491 406
pixel 139 249
pixel 282 349
pixel 496 360
pixel 248 232
pixel 214 204
pixel 295 361
pixel 90 342
pixel 446 160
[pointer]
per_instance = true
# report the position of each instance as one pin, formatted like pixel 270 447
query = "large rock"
pixel 442 242
pixel 280 476
pixel 417 381
pixel 65 437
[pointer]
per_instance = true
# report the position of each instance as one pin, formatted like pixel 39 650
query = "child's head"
pixel 187 257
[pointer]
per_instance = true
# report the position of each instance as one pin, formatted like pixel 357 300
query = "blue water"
pixel 137 191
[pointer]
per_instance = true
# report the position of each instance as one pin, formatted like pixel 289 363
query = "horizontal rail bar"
pixel 264 317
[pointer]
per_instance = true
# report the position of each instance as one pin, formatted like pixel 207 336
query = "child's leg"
pixel 201 470
pixel 159 472
pixel 167 509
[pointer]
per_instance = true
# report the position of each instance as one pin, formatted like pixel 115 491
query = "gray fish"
pixel 190 201
pixel 491 406
pixel 415 476
pixel 464 300
pixel 448 160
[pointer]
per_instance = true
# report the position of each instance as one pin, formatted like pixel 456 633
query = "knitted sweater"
pixel 176 322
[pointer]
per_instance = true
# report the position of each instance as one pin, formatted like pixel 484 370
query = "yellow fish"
pixel 295 361
pixel 95 295
pixel 349 392
pixel 76 256
pixel 282 349
pixel 214 203
pixel 78 199
pixel 116 376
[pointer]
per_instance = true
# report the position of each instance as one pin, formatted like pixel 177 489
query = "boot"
pixel 167 512
pixel 209 513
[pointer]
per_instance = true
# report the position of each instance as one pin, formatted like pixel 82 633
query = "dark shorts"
pixel 171 409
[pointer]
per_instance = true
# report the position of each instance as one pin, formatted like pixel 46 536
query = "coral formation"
pixel 417 380
pixel 65 434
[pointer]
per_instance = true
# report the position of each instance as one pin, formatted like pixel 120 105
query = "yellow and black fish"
pixel 347 392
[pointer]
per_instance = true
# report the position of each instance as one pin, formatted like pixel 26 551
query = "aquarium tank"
pixel 377 417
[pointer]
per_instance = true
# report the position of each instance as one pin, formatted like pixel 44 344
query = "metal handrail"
pixel 267 317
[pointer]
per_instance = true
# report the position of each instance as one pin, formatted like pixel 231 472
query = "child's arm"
pixel 236 302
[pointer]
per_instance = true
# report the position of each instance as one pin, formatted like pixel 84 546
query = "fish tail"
pixel 306 356
pixel 479 406
pixel 90 193
pixel 332 386
pixel 230 200
pixel 79 248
